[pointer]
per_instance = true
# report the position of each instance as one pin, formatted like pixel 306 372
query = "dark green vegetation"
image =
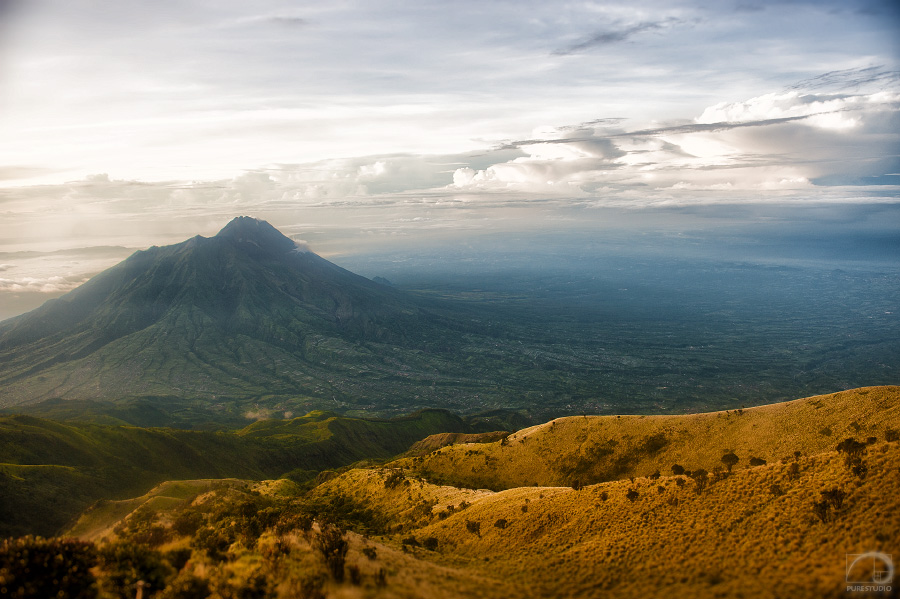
pixel 204 333
pixel 50 471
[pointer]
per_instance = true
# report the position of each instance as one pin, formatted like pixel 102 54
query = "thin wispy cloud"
pixel 614 36
pixel 849 79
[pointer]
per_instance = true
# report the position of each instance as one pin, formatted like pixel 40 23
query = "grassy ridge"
pixel 643 538
pixel 783 528
pixel 592 449
pixel 50 471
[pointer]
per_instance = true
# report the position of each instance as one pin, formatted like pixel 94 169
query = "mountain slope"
pixel 754 533
pixel 581 450
pixel 246 313
pixel 780 529
pixel 50 471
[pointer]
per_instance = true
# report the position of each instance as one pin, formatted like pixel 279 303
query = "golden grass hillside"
pixel 779 529
pixel 753 533
pixel 433 442
pixel 584 450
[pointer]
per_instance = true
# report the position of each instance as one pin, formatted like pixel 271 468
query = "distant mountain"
pixel 246 314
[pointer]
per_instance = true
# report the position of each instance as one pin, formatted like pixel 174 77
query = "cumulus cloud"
pixel 779 142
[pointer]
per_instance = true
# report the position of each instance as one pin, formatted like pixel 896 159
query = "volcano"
pixel 246 314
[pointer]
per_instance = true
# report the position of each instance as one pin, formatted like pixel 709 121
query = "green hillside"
pixel 50 471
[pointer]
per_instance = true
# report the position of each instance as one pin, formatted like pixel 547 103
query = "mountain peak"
pixel 246 229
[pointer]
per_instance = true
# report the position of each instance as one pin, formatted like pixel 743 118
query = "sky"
pixel 355 123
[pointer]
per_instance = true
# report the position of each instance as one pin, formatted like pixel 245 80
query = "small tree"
pixel 701 478
pixel 730 459
pixel 835 497
pixel 852 448
pixel 473 527
pixel 820 509
pixel 431 543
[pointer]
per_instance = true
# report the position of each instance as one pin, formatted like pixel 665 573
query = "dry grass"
pixel 594 449
pixel 751 533
pixel 735 538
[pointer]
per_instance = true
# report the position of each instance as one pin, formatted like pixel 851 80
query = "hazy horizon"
pixel 371 129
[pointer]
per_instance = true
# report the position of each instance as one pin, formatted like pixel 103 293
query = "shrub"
pixel 757 462
pixel 852 448
pixel 124 564
pixel 186 586
pixel 891 435
pixel 820 509
pixel 394 479
pixel 677 469
pixel 370 552
pixel 290 522
pixel 473 527
pixel 431 543
pixel 332 544
pixel 411 541
pixel 730 459
pixel 187 522
pixel 701 478
pixel 214 541
pixel 632 495
pixel 835 497
pixel 776 490
pixel 501 523
pixel 381 578
pixel 36 567
pixel 794 471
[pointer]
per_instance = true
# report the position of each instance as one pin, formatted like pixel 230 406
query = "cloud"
pixel 854 79
pixel 614 36
pixel 779 142
pixel 49 285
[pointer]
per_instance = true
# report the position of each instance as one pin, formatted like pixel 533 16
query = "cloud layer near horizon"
pixel 343 124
